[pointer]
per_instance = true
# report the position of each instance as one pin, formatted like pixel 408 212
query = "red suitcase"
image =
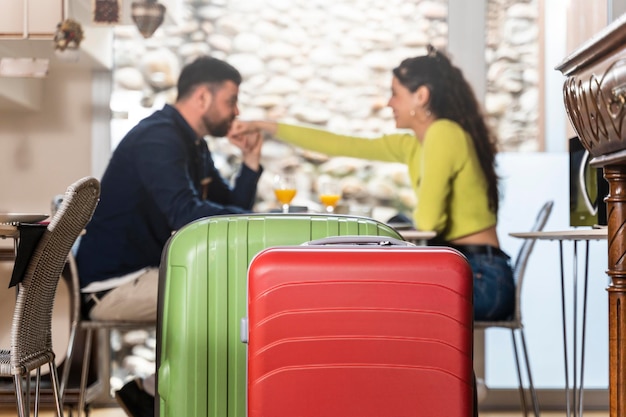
pixel 359 330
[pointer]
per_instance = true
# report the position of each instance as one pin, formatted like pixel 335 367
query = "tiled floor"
pixel 97 412
pixel 116 412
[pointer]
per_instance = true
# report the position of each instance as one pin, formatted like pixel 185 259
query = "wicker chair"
pixel 98 391
pixel 515 322
pixel 31 328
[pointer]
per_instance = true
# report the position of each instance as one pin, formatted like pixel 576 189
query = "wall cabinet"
pixel 30 18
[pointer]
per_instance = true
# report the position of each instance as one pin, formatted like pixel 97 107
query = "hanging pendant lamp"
pixel 148 16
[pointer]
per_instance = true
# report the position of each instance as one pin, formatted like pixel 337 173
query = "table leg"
pixel 568 411
pixel 616 213
pixel 584 332
pixel 574 393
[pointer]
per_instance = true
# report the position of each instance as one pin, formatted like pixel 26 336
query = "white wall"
pixel 41 154
pixel 555 46
pixel 528 181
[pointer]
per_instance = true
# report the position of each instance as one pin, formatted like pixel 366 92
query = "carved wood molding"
pixel 595 101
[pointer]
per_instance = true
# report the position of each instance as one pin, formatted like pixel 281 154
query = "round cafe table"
pixel 573 394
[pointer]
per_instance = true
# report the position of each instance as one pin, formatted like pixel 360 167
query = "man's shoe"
pixel 134 400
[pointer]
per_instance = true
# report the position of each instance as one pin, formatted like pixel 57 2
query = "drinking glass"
pixel 330 193
pixel 284 190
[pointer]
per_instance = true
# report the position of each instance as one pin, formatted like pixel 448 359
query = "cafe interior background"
pixel 328 63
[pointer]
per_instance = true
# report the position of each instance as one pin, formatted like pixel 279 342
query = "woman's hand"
pixel 240 127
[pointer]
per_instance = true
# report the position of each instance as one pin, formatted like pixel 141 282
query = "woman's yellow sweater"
pixel 444 170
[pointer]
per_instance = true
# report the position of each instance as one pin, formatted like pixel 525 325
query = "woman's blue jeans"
pixel 494 286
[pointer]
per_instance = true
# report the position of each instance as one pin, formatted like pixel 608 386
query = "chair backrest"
pixel 523 255
pixel 31 327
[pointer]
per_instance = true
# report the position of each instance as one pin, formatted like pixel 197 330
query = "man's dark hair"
pixel 205 70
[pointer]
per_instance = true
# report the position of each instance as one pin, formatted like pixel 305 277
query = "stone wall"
pixel 512 54
pixel 328 63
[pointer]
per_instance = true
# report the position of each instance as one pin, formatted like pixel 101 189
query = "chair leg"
pixel 68 361
pixel 37 390
pixel 533 393
pixel 27 395
pixel 19 395
pixel 519 375
pixel 54 377
pixel 84 371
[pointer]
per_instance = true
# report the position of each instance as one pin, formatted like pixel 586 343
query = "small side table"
pixel 575 236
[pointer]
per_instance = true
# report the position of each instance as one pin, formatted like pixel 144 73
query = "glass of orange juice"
pixel 284 190
pixel 330 193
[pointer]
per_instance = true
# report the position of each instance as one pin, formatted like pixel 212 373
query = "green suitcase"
pixel 201 362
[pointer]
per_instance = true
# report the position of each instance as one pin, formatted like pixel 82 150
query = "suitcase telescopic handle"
pixel 359 240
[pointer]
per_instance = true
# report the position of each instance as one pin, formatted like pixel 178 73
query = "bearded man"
pixel 161 177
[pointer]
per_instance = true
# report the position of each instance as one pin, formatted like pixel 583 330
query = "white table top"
pixel 572 234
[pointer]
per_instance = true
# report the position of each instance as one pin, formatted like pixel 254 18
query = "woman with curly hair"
pixel 451 163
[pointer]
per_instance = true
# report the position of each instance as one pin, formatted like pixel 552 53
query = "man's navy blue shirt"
pixel 151 187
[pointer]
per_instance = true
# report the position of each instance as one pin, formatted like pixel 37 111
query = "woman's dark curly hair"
pixel 451 97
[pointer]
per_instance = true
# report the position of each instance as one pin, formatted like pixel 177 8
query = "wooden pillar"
pixel 616 213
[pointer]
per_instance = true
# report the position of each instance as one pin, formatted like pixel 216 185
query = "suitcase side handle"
pixel 243 330
pixel 359 240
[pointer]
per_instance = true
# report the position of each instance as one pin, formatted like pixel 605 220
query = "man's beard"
pixel 219 129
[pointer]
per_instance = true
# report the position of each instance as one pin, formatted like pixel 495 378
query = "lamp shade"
pixel 148 16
